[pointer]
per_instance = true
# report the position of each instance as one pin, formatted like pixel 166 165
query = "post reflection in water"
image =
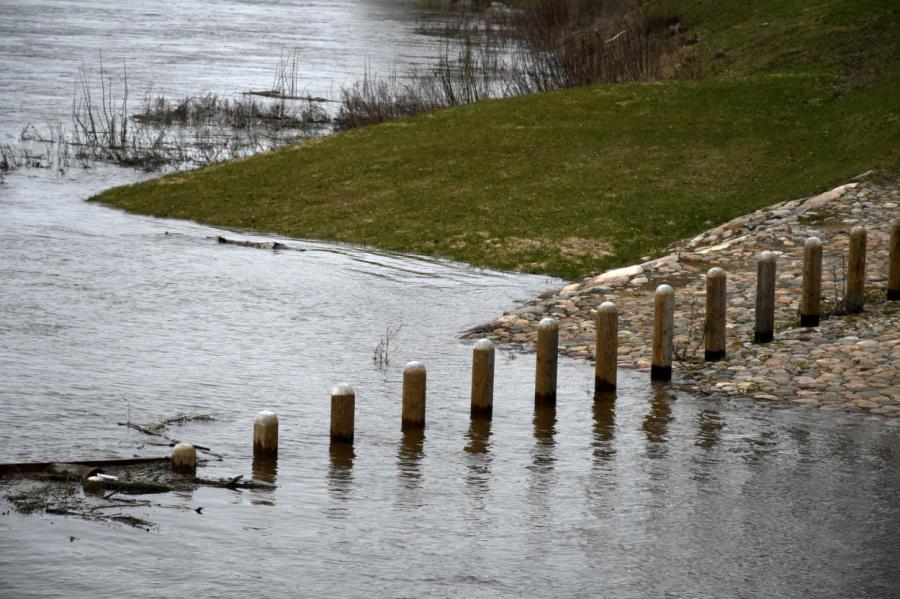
pixel 709 423
pixel 264 469
pixel 656 423
pixel 479 437
pixel 410 454
pixel 544 433
pixel 604 425
pixel 340 470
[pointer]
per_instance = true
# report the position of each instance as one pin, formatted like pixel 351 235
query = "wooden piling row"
pixel 811 295
pixel 764 331
pixel 607 348
pixel 663 333
pixel 893 287
pixel 343 413
pixel 413 416
pixel 265 434
pixel 482 378
pixel 715 314
pixel 343 398
pixel 547 350
pixel 855 293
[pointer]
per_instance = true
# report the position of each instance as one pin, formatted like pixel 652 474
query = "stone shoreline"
pixel 848 363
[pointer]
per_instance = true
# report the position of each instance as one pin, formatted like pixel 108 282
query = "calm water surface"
pixel 105 315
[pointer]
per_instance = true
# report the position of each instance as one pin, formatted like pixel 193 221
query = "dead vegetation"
pixel 548 45
pixel 98 491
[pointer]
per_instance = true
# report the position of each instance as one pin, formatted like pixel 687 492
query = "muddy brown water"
pixel 106 316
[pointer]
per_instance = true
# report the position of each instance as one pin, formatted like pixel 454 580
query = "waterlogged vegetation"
pixel 749 105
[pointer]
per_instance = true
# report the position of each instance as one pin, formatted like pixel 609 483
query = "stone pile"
pixel 849 363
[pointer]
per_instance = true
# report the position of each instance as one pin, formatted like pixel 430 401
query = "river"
pixel 106 316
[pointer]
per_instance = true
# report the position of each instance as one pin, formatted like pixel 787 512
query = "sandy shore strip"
pixel 848 363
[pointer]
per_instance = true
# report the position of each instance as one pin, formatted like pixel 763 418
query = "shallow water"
pixel 106 316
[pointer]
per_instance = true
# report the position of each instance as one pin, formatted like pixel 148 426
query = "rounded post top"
pixel 608 308
pixel 665 290
pixel 182 446
pixel 716 272
pixel 813 242
pixel 548 323
pixel 484 345
pixel 414 367
pixel 342 390
pixel 767 256
pixel 857 231
pixel 266 416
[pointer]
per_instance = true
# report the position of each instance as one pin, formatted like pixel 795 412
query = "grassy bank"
pixel 588 178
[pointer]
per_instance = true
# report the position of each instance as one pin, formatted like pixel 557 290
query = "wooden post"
pixel 765 298
pixel 94 485
pixel 265 434
pixel 547 348
pixel 413 396
pixel 716 284
pixel 855 294
pixel 483 378
pixel 811 298
pixel 343 408
pixel 184 457
pixel 893 288
pixel 606 350
pixel 663 333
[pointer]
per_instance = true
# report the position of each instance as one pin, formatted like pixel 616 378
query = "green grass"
pixel 586 179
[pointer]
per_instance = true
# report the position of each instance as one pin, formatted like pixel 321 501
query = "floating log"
pixel 72 471
pixel 260 245
pixel 34 467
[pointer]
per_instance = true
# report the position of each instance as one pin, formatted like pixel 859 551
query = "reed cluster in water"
pixel 488 53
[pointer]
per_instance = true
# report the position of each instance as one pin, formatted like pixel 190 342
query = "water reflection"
pixel 656 423
pixel 604 426
pixel 264 469
pixel 479 462
pixel 340 470
pixel 409 455
pixel 544 433
pixel 709 423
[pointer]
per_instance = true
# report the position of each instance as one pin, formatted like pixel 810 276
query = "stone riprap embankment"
pixel 849 363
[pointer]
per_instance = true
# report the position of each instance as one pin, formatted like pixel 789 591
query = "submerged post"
pixel 765 298
pixel 184 457
pixel 413 396
pixel 265 434
pixel 663 333
pixel 855 294
pixel 343 408
pixel 607 348
pixel 811 298
pixel 716 282
pixel 893 288
pixel 547 348
pixel 482 378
